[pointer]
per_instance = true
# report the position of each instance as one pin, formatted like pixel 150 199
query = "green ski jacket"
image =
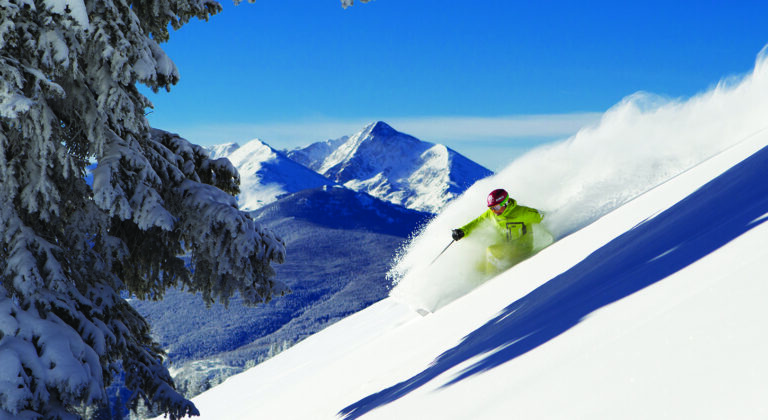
pixel 514 224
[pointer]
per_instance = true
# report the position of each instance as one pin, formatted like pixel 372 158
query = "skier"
pixel 513 233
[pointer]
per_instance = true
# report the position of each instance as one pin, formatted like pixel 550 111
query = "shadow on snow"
pixel 717 213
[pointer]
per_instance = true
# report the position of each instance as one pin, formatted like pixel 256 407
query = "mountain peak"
pixel 394 167
pixel 266 174
pixel 380 128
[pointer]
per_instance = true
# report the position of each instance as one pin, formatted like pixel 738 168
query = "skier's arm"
pixel 469 227
pixel 535 216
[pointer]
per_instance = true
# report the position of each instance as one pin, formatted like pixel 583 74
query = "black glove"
pixel 457 234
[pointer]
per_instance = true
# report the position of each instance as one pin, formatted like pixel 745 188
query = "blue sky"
pixel 488 78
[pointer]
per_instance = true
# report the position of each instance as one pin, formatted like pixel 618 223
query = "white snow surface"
pixel 649 306
pixel 265 173
pixel 222 150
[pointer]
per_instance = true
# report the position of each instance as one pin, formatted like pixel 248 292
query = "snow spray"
pixel 638 144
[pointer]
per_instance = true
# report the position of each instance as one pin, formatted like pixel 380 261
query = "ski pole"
pixel 442 252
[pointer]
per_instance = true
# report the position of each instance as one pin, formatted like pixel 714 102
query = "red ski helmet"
pixel 497 197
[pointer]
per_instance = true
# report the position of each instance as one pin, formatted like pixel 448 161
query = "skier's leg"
pixel 496 258
pixel 504 256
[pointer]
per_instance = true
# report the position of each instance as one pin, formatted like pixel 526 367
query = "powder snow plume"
pixel 638 144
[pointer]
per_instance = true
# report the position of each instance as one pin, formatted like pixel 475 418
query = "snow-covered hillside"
pixel 393 166
pixel 265 173
pixel 651 305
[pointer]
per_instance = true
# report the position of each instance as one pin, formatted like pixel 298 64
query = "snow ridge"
pixel 222 150
pixel 393 166
pixel 265 173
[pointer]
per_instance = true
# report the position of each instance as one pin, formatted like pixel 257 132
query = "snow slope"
pixel 651 305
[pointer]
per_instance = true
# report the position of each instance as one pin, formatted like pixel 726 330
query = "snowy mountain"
pixel 222 150
pixel 649 306
pixel 265 173
pixel 313 155
pixel 393 166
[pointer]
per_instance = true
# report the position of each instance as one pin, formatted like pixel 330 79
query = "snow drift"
pixel 638 144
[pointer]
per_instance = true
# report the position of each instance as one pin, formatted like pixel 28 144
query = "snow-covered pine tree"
pixel 70 250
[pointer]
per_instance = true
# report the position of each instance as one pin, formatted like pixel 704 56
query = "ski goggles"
pixel 501 205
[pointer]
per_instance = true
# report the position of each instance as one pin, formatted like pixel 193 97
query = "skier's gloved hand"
pixel 457 234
